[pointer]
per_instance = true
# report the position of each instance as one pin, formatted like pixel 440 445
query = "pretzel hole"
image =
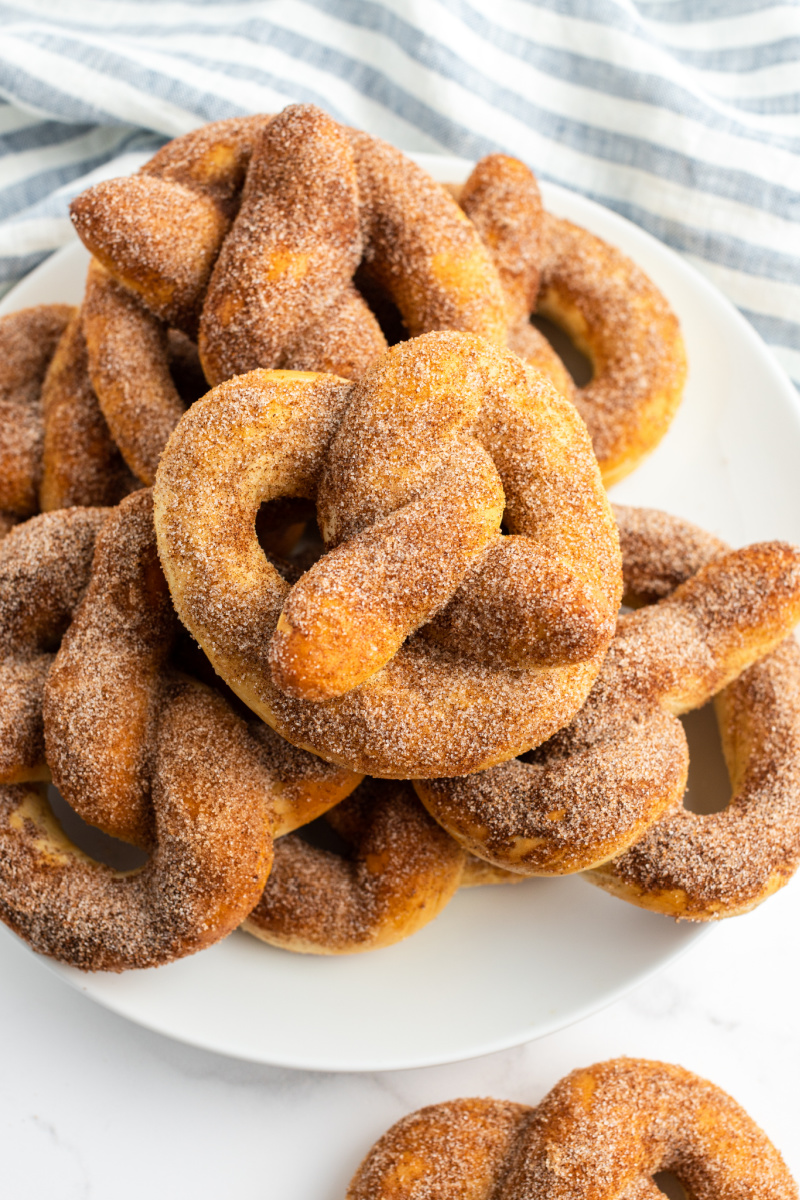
pixel 286 526
pixel 670 1185
pixel 576 362
pixel 322 836
pixel 99 846
pixel 384 309
pixel 709 788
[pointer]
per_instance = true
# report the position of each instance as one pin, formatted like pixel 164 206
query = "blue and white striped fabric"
pixel 683 115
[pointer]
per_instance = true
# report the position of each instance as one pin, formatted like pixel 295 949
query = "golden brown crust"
pixel 129 368
pixel 80 462
pixel 138 749
pixel 28 340
pixel 401 871
pixel 281 294
pixel 622 762
pixel 601 1134
pixel 620 320
pixel 614 314
pixel 44 569
pixel 718 865
pixel 450 1151
pixel 267 434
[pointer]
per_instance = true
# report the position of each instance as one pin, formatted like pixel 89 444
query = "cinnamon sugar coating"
pixel 602 1133
pixel 158 233
pixel 140 749
pixel 28 340
pixel 400 872
pixel 128 361
pixel 614 314
pixel 44 569
pixel 601 782
pixel 720 864
pixel 270 434
pixel 80 461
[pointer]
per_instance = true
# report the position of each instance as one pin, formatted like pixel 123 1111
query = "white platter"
pixel 500 966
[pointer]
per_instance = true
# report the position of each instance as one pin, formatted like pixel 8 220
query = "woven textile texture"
pixel 683 115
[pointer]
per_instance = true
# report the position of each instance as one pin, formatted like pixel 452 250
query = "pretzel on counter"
pixel 602 1133
pixel 412 468
pixel 400 872
pixel 600 783
pixel 703 867
pixel 614 314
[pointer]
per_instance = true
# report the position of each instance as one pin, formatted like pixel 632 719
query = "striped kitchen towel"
pixel 683 115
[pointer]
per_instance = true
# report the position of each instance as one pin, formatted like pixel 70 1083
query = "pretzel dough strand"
pixel 601 1134
pixel 81 463
pixel 28 341
pixel 44 568
pixel 267 434
pixel 721 864
pixel 622 762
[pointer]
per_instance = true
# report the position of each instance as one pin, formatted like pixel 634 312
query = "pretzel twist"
pixel 139 749
pixel 704 867
pixel 320 205
pixel 400 870
pixel 614 314
pixel 601 1134
pixel 602 781
pixel 443 403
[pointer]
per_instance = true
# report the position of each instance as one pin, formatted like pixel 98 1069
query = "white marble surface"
pixel 92 1106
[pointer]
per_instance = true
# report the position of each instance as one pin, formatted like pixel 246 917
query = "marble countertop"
pixel 93 1106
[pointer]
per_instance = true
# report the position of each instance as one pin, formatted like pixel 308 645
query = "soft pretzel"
pixel 80 461
pixel 143 752
pixel 614 314
pixel 400 872
pixel 444 425
pixel 321 201
pixel 602 1133
pixel 105 691
pixel 143 373
pixel 28 341
pixel 44 569
pixel 598 785
pixel 721 864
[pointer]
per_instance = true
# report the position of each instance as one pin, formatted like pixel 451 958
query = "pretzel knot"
pixel 263 238
pixel 139 749
pixel 601 1133
pixel 595 788
pixel 424 636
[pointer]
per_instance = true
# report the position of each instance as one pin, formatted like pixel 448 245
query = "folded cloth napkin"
pixel 683 115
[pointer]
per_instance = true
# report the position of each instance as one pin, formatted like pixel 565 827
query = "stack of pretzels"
pixel 304 521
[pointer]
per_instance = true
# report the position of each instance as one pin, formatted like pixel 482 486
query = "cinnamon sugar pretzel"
pixel 602 1133
pixel 602 781
pixel 412 469
pixel 703 867
pixel 614 314
pixel 138 748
